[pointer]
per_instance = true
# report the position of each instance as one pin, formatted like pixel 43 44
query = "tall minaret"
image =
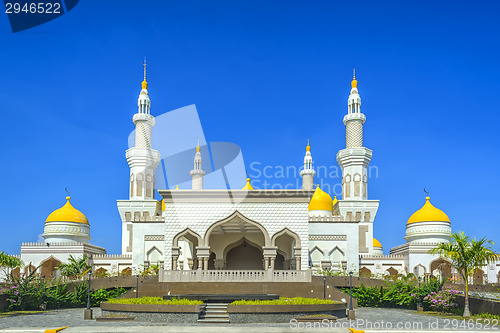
pixel 354 159
pixel 308 172
pixel 142 159
pixel 197 173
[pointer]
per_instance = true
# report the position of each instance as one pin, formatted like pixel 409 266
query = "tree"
pixel 466 255
pixel 9 261
pixel 74 267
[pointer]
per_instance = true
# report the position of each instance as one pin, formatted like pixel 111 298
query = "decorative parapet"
pixel 379 257
pixel 336 218
pixel 235 276
pixel 111 256
pixel 327 237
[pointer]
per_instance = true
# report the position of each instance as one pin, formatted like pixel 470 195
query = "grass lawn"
pixel 476 318
pixel 19 313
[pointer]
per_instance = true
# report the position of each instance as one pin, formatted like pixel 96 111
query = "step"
pixel 213 321
pixel 214 316
pixel 216 311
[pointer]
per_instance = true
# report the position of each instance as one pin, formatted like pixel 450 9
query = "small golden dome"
pixel 162 205
pixel 376 243
pixel 354 83
pixel 321 201
pixel 248 186
pixel 308 148
pixel 335 200
pixel 67 213
pixel 428 213
pixel 177 187
pixel 144 84
pixel 198 148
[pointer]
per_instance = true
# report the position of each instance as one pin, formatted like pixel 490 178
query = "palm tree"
pixel 466 255
pixel 9 261
pixel 74 267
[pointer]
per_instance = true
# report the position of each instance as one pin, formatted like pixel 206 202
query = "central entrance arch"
pixel 237 243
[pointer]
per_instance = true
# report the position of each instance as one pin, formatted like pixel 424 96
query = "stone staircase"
pixel 214 313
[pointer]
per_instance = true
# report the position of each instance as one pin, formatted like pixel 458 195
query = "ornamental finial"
pixel 144 83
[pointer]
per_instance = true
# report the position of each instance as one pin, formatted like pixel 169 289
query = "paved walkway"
pixel 368 319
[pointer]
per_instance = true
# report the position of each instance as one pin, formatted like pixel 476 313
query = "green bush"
pixel 402 293
pixel 154 300
pixel 284 301
pixel 28 293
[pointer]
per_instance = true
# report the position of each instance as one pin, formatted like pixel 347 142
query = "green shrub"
pixel 154 300
pixel 284 301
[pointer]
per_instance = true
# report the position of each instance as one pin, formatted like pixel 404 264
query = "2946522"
pixel 33 8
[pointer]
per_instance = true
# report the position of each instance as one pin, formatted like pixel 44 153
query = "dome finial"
pixel 144 83
pixel 198 146
pixel 308 148
pixel 354 83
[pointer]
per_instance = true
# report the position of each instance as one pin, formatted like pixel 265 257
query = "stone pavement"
pixel 368 319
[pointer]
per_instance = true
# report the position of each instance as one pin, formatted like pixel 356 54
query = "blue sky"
pixel 264 75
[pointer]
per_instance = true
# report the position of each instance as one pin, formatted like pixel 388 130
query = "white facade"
pixel 202 229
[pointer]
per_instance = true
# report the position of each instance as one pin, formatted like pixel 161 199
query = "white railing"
pixel 235 276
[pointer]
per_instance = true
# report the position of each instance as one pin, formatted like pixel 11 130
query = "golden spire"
pixel 308 148
pixel 144 83
pixel 198 146
pixel 248 186
pixel 354 83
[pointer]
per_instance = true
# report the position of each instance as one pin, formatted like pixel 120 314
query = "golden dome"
pixel 308 148
pixel 248 186
pixel 321 201
pixel 376 243
pixel 67 213
pixel 354 83
pixel 428 213
pixel 144 84
pixel 334 201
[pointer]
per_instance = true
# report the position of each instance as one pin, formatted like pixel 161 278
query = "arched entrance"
pixel 288 246
pixel 365 272
pixel 477 278
pixel 49 266
pixel 244 256
pixel 236 243
pixel 440 268
pixel 184 250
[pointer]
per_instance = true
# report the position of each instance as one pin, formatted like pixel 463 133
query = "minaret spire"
pixel 197 173
pixel 355 158
pixel 142 158
pixel 308 172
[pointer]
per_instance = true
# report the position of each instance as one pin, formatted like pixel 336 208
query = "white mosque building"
pixel 195 233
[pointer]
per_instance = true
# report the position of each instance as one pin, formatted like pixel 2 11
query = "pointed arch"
pixel 189 234
pixel 245 219
pixel 286 231
pixel 49 266
pixel 334 249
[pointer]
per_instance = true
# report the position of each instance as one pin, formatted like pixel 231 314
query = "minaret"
pixel 308 172
pixel 142 159
pixel 197 173
pixel 354 159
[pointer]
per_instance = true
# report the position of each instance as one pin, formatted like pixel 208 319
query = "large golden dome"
pixel 428 213
pixel 321 201
pixel 67 213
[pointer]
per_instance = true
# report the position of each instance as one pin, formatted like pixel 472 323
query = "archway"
pixel 365 272
pixel 441 268
pixel 477 278
pixel 392 272
pixel 16 272
pixel 231 238
pixel 286 242
pixel 49 266
pixel 29 269
pixel 244 256
pixel 419 270
pixel 184 246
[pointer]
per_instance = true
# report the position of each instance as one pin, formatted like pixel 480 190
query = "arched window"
pixel 139 180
